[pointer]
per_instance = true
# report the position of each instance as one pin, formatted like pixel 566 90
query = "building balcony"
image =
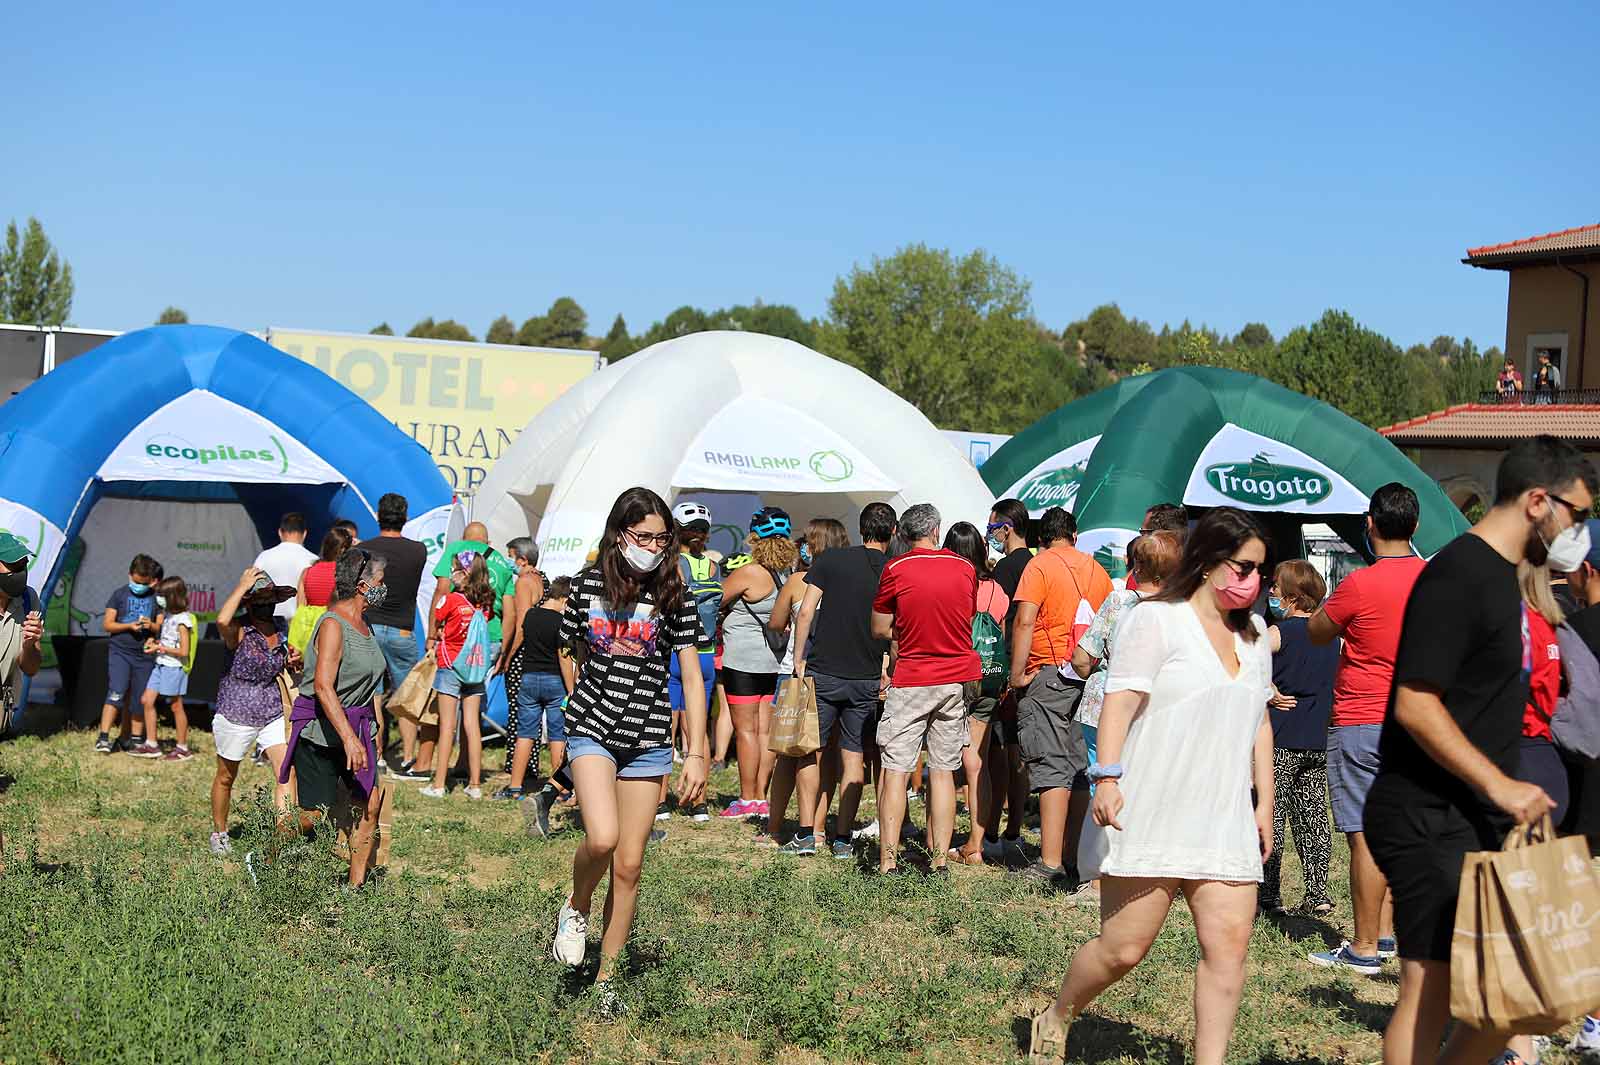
pixel 1527 397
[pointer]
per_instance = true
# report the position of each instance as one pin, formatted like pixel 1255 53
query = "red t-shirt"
pixel 1544 684
pixel 1369 605
pixel 454 612
pixel 933 595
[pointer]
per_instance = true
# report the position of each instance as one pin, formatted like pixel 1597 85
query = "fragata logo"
pixel 1052 488
pixel 1262 482
pixel 175 452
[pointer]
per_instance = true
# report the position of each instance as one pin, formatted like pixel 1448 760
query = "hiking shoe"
pixel 221 845
pixel 178 754
pixel 663 812
pixel 737 808
pixel 869 832
pixel 102 744
pixel 1387 949
pixel 431 792
pixel 843 850
pixel 474 793
pixel 509 794
pixel 1588 1038
pixel 699 814
pixel 572 936
pixel 1347 959
pixel 146 750
pixel 607 1002
pixel 538 814
pixel 801 846
pixel 1044 877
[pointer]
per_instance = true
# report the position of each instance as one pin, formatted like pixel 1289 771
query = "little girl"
pixel 174 653
pixel 452 617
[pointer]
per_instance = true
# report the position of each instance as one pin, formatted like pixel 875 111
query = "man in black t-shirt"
pixel 394 620
pixel 845 663
pixel 1009 525
pixel 1450 740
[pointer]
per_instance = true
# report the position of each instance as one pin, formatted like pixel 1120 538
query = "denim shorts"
pixel 542 697
pixel 170 681
pixel 1352 767
pixel 851 704
pixel 126 675
pixel 400 651
pixel 635 763
pixel 445 682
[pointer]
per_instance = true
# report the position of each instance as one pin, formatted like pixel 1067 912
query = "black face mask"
pixel 262 611
pixel 13 585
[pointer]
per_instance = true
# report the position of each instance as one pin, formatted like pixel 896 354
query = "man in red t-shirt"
pixel 1366 609
pixel 925 603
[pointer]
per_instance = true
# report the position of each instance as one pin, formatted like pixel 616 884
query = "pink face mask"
pixel 1240 592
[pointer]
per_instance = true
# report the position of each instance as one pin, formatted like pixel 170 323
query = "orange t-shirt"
pixel 1068 586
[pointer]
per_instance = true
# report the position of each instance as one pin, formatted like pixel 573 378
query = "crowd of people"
pixel 1169 733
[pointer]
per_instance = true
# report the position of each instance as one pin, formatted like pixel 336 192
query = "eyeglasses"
pixel 366 560
pixel 644 539
pixel 1578 513
pixel 1243 567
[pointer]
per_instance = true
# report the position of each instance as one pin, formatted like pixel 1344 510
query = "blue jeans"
pixel 632 764
pixel 542 695
pixel 400 651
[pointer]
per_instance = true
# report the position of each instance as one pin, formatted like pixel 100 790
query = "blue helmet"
pixel 769 522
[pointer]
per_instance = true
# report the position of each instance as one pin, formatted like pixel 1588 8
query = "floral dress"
pixel 248 695
pixel 1097 641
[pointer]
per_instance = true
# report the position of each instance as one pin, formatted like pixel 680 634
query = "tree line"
pixel 954 334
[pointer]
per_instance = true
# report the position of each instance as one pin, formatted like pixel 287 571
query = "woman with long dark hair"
pixel 627 615
pixel 1183 740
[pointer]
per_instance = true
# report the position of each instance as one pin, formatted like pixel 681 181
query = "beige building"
pixel 1549 303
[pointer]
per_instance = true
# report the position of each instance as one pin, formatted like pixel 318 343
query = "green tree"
pixel 952 335
pixel 569 324
pixel 618 344
pixel 173 316
pixel 1341 362
pixel 448 329
pixel 1110 338
pixel 1254 335
pixel 35 283
pixel 382 329
pixel 501 331
pixel 535 332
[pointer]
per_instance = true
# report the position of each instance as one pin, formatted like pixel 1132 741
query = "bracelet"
pixel 1098 772
pixel 696 754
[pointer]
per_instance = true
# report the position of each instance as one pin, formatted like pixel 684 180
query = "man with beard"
pixel 1450 741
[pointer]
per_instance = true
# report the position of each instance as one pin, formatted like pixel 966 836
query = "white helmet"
pixel 687 513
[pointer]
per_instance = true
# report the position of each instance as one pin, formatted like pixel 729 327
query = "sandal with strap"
pixel 1048 1042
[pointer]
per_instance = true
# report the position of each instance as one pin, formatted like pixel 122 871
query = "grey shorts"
pixel 935 714
pixel 1052 742
pixel 850 704
pixel 1352 767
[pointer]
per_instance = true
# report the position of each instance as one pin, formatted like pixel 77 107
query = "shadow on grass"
pixel 1095 1038
pixel 1300 928
pixel 1369 1015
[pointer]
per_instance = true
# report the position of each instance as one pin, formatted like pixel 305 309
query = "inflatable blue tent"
pixel 193 414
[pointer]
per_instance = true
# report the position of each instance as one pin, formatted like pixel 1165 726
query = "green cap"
pixel 12 550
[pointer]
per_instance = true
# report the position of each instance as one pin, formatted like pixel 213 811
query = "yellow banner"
pixel 465 403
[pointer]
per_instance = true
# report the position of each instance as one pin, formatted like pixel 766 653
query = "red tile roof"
pixel 1485 424
pixel 1577 239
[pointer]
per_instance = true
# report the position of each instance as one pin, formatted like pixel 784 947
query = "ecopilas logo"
pixel 1052 488
pixel 1262 482
pixel 177 453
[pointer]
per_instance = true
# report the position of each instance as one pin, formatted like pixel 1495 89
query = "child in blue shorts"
pixel 174 655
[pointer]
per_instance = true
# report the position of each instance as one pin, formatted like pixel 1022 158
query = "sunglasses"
pixel 997 526
pixel 642 539
pixel 1577 512
pixel 1243 568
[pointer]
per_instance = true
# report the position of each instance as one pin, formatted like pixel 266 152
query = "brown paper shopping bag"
pixel 414 697
pixel 795 732
pixel 1526 954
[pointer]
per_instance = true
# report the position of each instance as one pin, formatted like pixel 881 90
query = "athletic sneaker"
pixel 146 750
pixel 1045 877
pixel 869 832
pixel 102 744
pixel 509 794
pixel 572 936
pixel 431 792
pixel 759 808
pixel 538 814
pixel 1387 949
pixel 738 808
pixel 473 793
pixel 843 850
pixel 179 753
pixel 663 812
pixel 1347 959
pixel 801 846
pixel 1588 1038
pixel 221 845
pixel 699 814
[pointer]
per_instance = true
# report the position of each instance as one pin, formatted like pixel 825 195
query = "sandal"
pixel 965 857
pixel 1047 1044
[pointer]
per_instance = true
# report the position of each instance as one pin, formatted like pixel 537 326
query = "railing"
pixel 1528 397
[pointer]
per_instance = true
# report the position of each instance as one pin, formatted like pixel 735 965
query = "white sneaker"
pixel 472 793
pixel 572 936
pixel 431 792
pixel 869 832
pixel 1588 1038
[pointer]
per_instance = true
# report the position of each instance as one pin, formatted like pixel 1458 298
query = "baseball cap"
pixel 692 516
pixel 13 550
pixel 1594 542
pixel 769 522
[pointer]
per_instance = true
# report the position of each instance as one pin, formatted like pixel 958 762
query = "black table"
pixel 82 660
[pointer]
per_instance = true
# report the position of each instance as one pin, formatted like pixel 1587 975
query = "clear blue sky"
pixel 335 165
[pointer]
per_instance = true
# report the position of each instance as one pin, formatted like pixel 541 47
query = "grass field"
pixel 124 940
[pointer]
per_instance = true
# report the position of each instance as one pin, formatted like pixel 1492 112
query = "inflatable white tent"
pixel 735 420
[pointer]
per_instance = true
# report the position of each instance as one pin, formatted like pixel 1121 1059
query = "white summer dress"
pixel 1186 763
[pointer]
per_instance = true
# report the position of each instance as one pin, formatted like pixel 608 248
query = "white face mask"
pixel 645 560
pixel 1569 549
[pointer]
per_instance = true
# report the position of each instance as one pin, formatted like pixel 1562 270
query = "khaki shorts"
pixel 936 713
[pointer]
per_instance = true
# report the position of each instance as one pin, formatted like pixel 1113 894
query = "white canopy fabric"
pixel 723 417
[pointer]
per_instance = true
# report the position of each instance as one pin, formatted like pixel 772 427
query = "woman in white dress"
pixel 1184 737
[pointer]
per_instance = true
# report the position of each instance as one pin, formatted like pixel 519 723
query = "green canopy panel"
pixel 1208 437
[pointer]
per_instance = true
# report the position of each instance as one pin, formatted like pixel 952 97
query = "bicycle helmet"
pixel 691 514
pixel 769 522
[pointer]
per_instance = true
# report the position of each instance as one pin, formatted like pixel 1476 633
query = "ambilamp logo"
pixel 1052 488
pixel 177 453
pixel 832 466
pixel 1264 483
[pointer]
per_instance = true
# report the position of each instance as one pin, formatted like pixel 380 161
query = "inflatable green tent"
pixel 1209 437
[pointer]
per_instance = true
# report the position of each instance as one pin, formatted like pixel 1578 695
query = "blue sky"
pixel 335 165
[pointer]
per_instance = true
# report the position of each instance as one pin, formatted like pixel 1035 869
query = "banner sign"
pixel 465 403
pixel 41 536
pixel 758 445
pixel 1239 468
pixel 566 538
pixel 1054 482
pixel 202 437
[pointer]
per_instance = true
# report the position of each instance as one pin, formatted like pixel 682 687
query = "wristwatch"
pixel 1098 772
